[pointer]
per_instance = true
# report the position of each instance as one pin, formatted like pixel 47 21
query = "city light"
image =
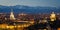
pixel 23 21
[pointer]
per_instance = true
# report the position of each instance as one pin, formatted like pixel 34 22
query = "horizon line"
pixel 27 5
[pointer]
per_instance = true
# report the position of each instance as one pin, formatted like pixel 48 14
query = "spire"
pixel 52 12
pixel 11 10
pixel 12 15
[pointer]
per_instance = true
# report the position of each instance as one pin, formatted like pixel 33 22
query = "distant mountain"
pixel 28 9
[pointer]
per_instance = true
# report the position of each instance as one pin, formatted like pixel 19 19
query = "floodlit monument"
pixel 53 16
pixel 12 15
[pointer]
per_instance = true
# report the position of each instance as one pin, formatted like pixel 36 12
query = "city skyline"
pixel 50 3
pixel 29 15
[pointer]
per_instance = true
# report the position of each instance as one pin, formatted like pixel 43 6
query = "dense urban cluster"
pixel 23 21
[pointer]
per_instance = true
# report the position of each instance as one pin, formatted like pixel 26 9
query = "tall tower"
pixel 12 15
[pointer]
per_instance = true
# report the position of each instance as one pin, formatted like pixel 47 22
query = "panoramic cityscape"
pixel 23 21
pixel 29 15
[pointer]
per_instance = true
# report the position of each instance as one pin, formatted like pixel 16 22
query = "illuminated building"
pixel 12 15
pixel 53 16
pixel 58 28
pixel 22 14
pixel 5 18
